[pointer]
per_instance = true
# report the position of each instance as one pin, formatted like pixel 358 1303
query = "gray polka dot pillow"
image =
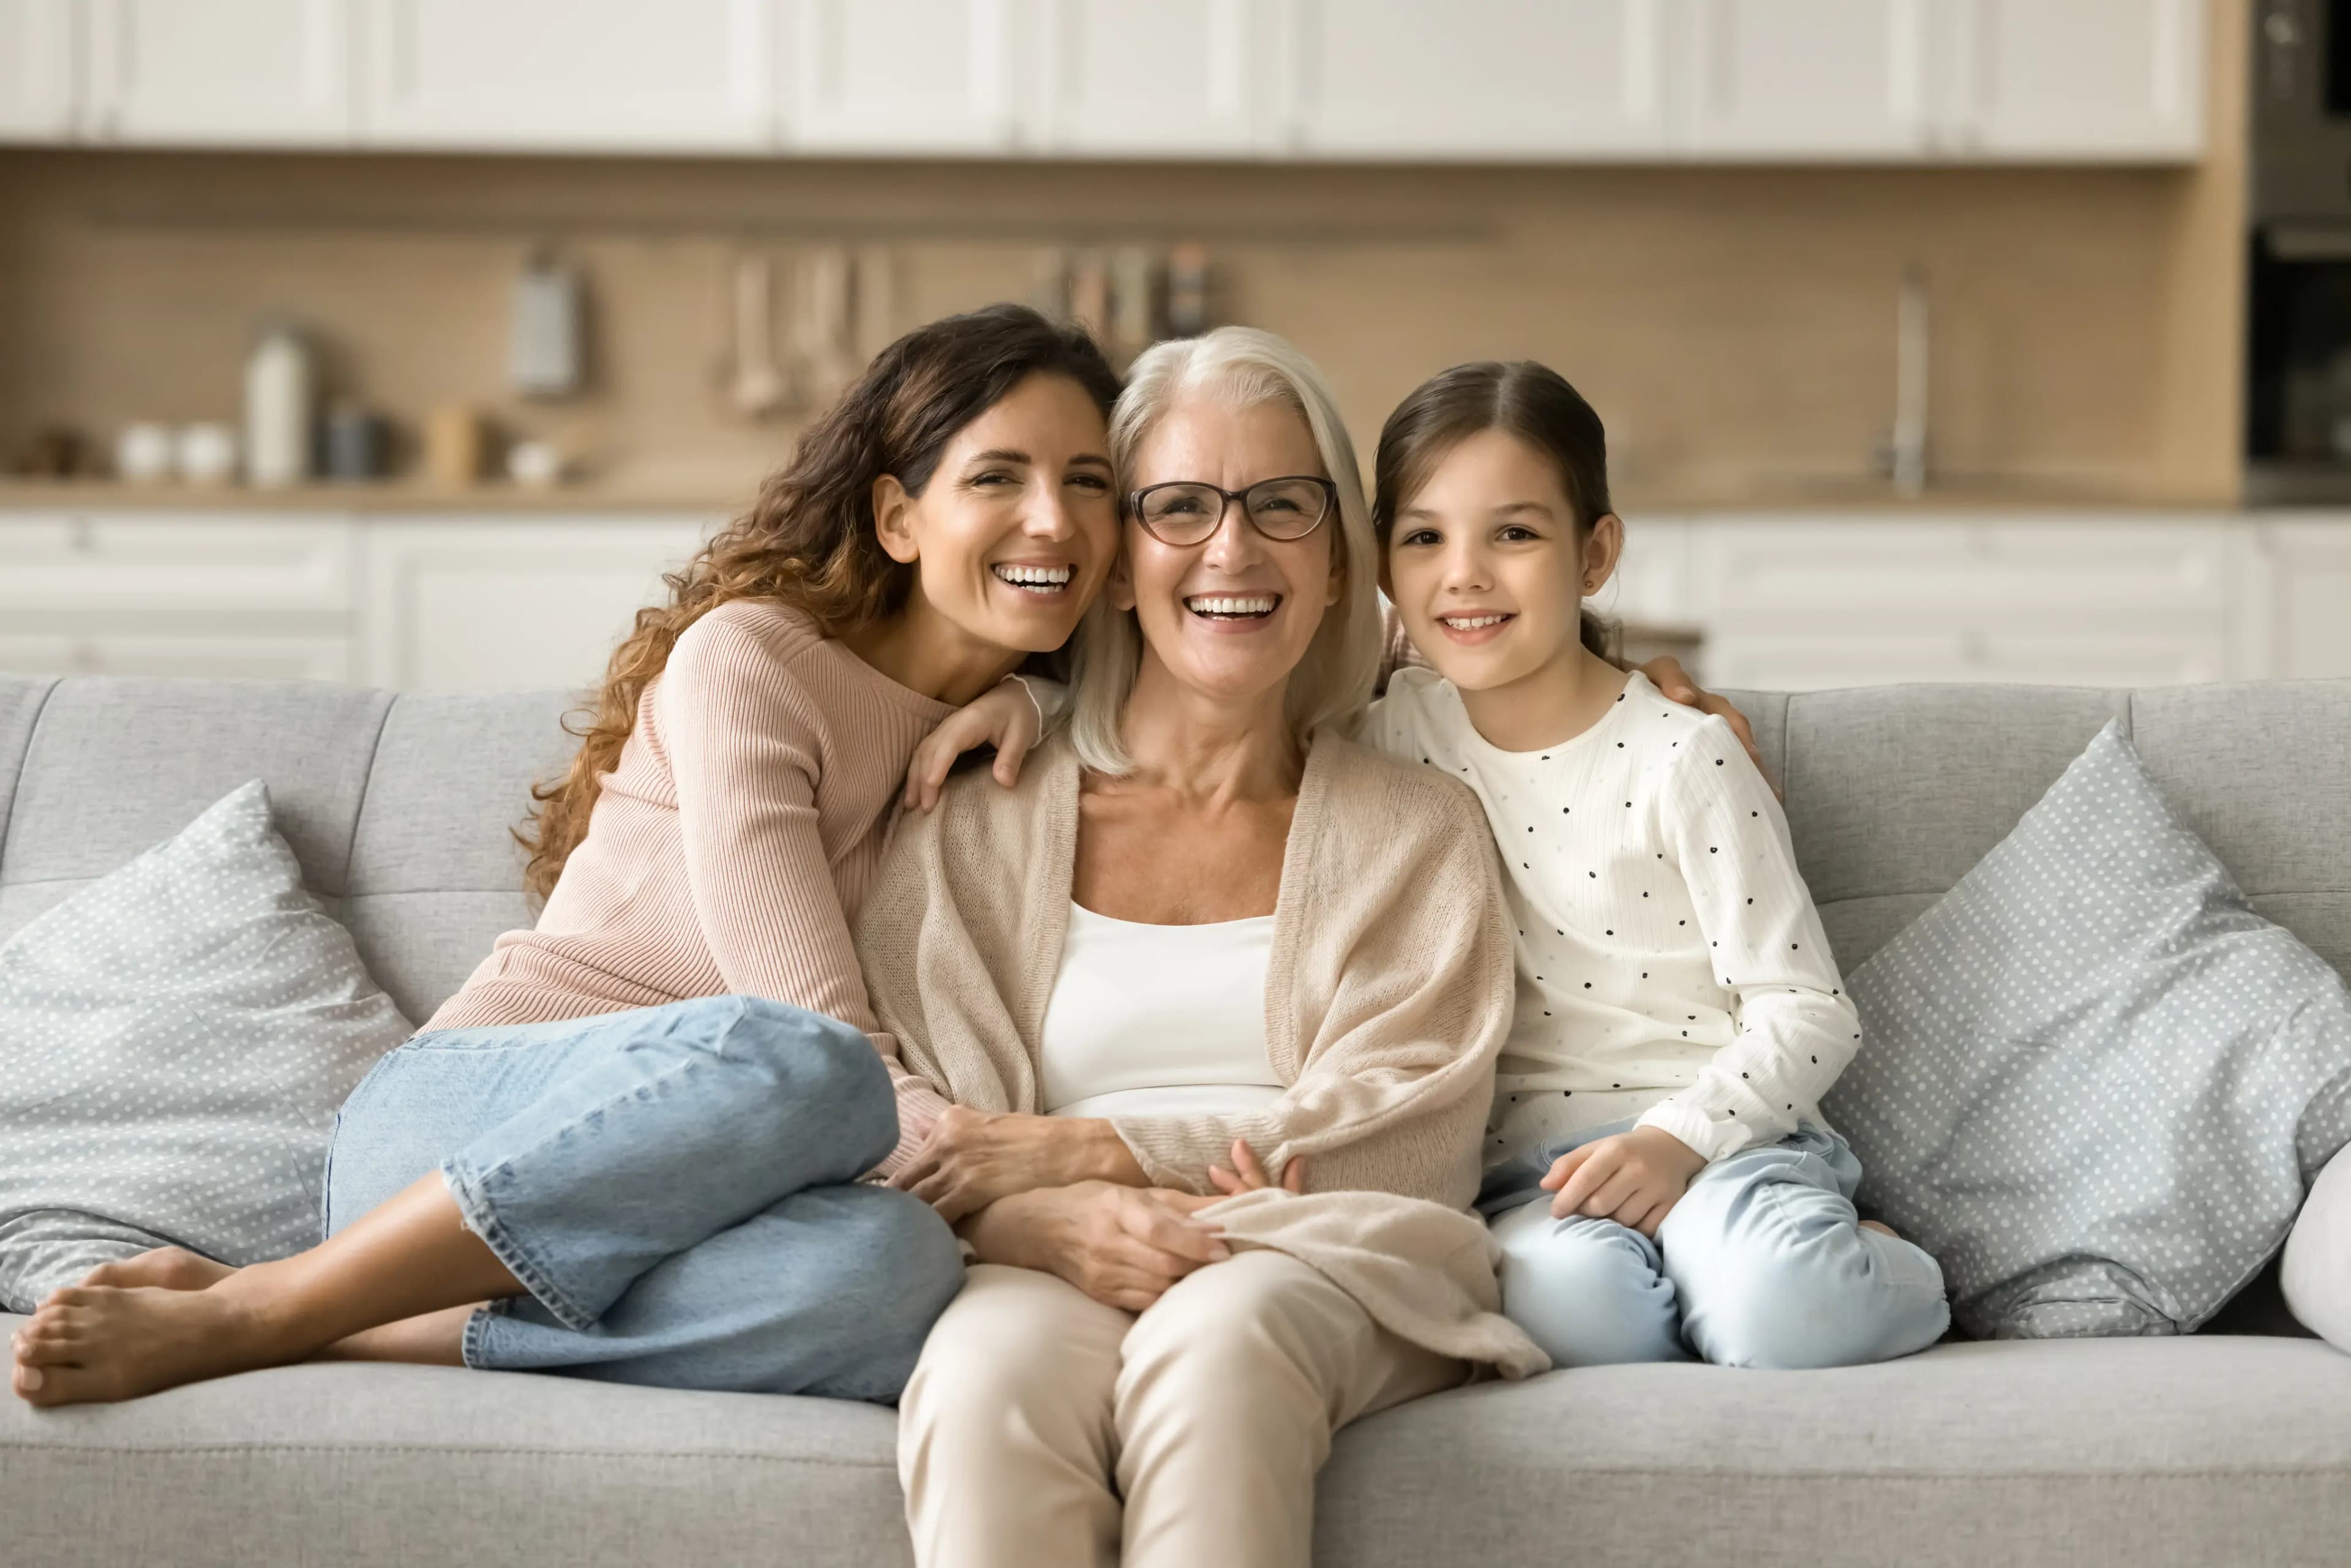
pixel 2094 1083
pixel 175 1042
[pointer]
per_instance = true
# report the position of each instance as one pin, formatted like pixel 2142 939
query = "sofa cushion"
pixel 435 872
pixel 2148 1452
pixel 174 1040
pixel 2096 1085
pixel 114 765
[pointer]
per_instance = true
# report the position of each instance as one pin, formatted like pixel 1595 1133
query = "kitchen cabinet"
pixel 177 593
pixel 902 77
pixel 1808 79
pixel 224 73
pixel 1174 78
pixel 37 70
pixel 217 656
pixel 1468 80
pixel 1793 602
pixel 2077 80
pixel 1782 601
pixel 614 75
pixel 501 601
pixel 2296 596
pixel 1501 80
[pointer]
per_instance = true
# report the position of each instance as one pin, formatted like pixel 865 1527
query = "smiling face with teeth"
pixel 1489 566
pixel 1013 533
pixel 1231 616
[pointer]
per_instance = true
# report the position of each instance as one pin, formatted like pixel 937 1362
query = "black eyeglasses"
pixel 1188 511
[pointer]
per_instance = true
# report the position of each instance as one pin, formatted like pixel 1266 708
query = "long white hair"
pixel 1239 367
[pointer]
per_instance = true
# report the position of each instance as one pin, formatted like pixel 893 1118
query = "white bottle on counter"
pixel 278 395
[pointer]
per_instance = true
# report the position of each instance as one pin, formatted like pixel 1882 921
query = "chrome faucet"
pixel 1904 457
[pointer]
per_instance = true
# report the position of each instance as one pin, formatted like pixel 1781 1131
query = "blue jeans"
pixel 676 1187
pixel 1762 1263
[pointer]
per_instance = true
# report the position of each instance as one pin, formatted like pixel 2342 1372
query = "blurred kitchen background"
pixel 406 341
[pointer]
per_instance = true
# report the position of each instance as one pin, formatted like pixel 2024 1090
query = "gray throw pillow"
pixel 175 1042
pixel 2093 1082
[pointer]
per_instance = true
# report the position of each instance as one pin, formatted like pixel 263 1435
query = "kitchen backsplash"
pixel 1734 326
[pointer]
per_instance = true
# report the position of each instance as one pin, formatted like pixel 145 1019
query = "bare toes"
pixel 45 1341
pixel 52 1385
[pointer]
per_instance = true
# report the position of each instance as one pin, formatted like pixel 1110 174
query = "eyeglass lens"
pixel 1279 508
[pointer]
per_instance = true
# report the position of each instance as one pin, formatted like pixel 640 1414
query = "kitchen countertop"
pixel 389 496
pixel 1831 497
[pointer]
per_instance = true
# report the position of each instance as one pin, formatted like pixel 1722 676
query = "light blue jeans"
pixel 1762 1263
pixel 676 1187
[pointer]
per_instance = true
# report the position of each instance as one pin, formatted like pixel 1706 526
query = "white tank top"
pixel 1157 1021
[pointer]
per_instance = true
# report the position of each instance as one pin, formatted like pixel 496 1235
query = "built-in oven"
pixel 2298 387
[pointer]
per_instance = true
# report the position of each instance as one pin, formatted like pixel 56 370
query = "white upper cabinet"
pixel 1807 79
pixel 900 77
pixel 2075 80
pixel 36 70
pixel 1390 80
pixel 1174 78
pixel 223 73
pixel 682 75
pixel 1475 79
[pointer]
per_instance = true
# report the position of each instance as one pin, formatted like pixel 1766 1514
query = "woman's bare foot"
pixel 163 1269
pixel 95 1343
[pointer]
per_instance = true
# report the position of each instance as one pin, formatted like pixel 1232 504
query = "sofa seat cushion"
pixel 2193 1450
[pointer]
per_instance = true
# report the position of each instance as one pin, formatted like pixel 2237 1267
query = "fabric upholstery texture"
pixel 174 1040
pixel 2195 1450
pixel 2096 1084
pixel 2179 1453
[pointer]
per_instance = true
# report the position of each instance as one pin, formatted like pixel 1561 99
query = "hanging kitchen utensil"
pixel 544 355
pixel 826 326
pixel 760 386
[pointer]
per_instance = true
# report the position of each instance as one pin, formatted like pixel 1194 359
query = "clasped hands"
pixel 1066 1197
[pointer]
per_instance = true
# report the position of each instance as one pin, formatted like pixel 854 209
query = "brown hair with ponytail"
pixel 807 542
pixel 1531 402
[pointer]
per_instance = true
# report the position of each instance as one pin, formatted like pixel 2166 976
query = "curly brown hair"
pixel 808 540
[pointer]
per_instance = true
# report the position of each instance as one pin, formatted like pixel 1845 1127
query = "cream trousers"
pixel 1034 1409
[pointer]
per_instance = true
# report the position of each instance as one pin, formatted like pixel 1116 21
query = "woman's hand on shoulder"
pixel 1674 682
pixel 1633 1179
pixel 1005 716
pixel 971 1158
pixel 1123 1246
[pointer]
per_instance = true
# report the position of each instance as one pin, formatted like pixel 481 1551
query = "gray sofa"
pixel 2231 1447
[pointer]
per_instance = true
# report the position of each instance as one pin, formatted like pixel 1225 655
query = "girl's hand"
pixel 1633 1179
pixel 1674 683
pixel 1004 717
pixel 971 1158
pixel 1248 1176
pixel 1123 1246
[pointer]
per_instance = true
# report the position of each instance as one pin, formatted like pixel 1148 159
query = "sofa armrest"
pixel 2315 1274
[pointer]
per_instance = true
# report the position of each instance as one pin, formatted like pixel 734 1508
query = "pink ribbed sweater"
pixel 732 845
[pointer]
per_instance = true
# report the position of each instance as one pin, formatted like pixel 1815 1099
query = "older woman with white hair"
pixel 1204 930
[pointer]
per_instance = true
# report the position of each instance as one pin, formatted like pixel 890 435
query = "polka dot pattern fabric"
pixel 175 1039
pixel 2094 1083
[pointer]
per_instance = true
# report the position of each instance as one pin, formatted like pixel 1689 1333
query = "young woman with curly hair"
pixel 628 1147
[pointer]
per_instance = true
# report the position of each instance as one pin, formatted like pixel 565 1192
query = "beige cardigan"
pixel 1388 993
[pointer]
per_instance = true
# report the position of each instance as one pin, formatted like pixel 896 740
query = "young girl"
pixel 1661 1182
